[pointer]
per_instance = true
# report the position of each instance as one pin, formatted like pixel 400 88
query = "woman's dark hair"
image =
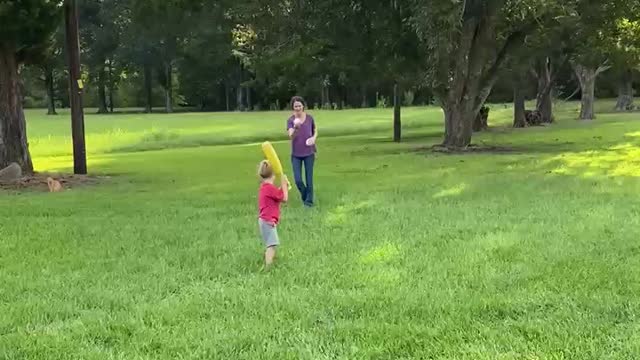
pixel 297 98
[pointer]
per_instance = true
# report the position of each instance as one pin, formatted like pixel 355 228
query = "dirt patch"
pixel 38 182
pixel 472 149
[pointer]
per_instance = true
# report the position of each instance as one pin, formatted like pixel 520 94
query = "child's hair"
pixel 265 171
pixel 296 99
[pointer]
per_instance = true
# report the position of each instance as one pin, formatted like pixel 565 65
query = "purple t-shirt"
pixel 299 145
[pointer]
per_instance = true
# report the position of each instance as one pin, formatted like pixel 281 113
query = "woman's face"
pixel 298 107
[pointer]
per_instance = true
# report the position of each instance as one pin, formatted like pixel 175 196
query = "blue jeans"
pixel 306 190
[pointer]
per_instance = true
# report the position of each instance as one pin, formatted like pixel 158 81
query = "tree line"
pixel 254 54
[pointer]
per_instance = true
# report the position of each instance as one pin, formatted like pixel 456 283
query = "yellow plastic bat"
pixel 271 155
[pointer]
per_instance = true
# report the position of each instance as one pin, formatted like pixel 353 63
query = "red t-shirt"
pixel 269 199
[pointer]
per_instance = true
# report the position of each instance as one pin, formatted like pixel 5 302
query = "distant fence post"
pixel 397 124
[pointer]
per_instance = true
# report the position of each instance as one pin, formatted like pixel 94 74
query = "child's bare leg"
pixel 269 255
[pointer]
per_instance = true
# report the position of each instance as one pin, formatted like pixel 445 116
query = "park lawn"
pixel 528 253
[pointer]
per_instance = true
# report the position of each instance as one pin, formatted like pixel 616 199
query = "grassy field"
pixel 528 254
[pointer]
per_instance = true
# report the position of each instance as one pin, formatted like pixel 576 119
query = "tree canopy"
pixel 255 54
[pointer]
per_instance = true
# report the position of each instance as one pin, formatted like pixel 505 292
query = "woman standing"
pixel 303 134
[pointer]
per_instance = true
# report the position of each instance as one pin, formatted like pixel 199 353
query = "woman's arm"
pixel 292 128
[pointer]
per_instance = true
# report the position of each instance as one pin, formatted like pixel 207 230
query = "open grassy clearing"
pixel 526 254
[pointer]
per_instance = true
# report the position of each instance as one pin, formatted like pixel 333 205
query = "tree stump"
pixel 12 172
pixel 481 122
pixel 533 117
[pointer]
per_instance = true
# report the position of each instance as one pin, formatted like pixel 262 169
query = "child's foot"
pixel 266 268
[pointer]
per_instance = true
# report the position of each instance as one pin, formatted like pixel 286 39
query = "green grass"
pixel 531 254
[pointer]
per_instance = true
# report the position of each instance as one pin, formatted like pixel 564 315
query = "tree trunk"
pixel 226 95
pixel 544 103
pixel 240 90
pixel 102 94
pixel 13 130
pixel 148 80
pixel 239 98
pixel 480 122
pixel 397 123
pixel 248 97
pixel 587 78
pixel 519 119
pixel 51 94
pixel 625 91
pixel 364 103
pixel 111 86
pixel 458 126
pixel 168 91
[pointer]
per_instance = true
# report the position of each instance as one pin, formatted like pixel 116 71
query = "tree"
pixel 548 55
pixel 467 43
pixel 101 31
pixel 625 55
pixel 50 65
pixel 594 28
pixel 163 27
pixel 27 25
pixel 206 59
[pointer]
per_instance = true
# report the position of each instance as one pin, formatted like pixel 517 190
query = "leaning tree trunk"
pixel 543 99
pixel 168 91
pixel 51 94
pixel 148 87
pixel 102 94
pixel 625 91
pixel 519 119
pixel 587 77
pixel 13 129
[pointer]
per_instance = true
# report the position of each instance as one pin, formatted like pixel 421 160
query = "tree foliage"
pixel 25 33
pixel 255 54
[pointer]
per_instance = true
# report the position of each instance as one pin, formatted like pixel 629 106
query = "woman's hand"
pixel 311 141
pixel 297 122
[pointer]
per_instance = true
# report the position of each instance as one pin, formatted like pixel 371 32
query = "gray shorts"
pixel 269 233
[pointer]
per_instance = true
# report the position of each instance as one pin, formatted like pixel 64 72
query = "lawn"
pixel 528 254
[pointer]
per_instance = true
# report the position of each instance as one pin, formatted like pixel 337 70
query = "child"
pixel 269 199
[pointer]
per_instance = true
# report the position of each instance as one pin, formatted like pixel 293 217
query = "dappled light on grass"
pixel 616 161
pixel 342 213
pixel 452 191
pixel 381 254
pixel 634 134
pixel 381 266
pixel 143 132
pixel 406 255
pixel 60 164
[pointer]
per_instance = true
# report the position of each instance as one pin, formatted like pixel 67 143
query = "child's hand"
pixel 284 180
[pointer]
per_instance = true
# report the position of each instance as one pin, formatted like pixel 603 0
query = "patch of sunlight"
pixel 381 254
pixel 382 277
pixel 633 134
pixel 340 214
pixel 452 191
pixel 618 161
pixel 64 163
pixel 497 240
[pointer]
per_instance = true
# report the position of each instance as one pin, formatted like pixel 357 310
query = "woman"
pixel 303 134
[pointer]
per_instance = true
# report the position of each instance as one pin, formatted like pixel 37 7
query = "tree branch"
pixel 603 67
pixel 514 40
pixel 572 94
